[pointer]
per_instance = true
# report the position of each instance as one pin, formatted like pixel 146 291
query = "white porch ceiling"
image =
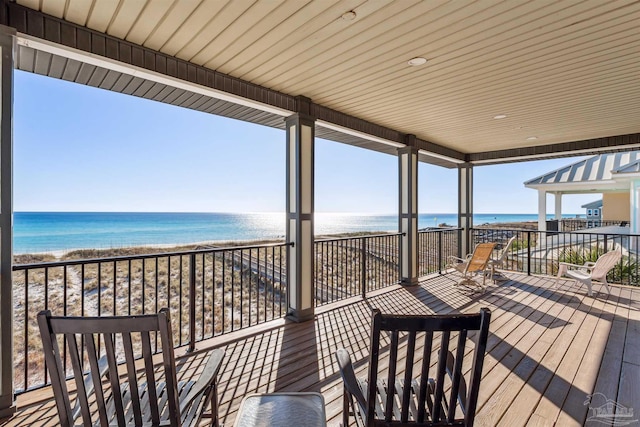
pixel 561 71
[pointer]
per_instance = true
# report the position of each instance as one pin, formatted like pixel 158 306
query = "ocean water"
pixel 55 231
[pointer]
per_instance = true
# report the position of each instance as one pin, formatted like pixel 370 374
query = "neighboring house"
pixel 593 211
pixel 616 176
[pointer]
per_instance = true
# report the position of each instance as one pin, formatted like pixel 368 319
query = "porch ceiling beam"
pixel 609 144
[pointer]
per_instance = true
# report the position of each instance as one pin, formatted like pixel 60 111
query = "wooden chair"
pixel 111 393
pixel 475 263
pixel 415 398
pixel 591 272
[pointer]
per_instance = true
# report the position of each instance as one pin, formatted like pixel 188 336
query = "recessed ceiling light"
pixel 500 116
pixel 414 62
pixel 349 16
pixel 532 138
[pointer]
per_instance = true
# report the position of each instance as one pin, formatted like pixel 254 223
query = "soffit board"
pixel 561 71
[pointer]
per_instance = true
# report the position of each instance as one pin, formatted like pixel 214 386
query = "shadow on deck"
pixel 548 350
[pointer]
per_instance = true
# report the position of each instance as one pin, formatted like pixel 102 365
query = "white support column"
pixel 634 206
pixel 300 207
pixel 7 53
pixel 558 210
pixel 465 207
pixel 542 210
pixel 408 219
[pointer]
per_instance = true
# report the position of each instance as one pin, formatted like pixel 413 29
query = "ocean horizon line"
pixel 282 212
pixel 50 231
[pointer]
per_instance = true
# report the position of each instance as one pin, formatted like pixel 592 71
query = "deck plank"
pixel 526 359
pixel 547 349
pixel 629 390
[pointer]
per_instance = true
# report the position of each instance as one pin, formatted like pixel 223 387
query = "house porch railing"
pixel 214 291
pixel 209 292
pixel 539 252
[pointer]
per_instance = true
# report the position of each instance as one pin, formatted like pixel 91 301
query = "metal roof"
pixel 591 170
pixel 563 73
pixel 593 205
pixel 631 168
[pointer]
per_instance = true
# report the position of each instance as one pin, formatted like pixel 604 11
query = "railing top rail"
pixel 439 229
pixel 552 232
pixel 502 228
pixel 18 267
pixel 367 236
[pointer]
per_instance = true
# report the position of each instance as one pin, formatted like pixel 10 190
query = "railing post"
pixel 192 303
pixel 363 266
pixel 528 253
pixel 606 244
pixel 440 251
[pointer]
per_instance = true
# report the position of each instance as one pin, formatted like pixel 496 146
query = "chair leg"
pixel 345 408
pixel 214 406
pixel 607 286
pixel 589 288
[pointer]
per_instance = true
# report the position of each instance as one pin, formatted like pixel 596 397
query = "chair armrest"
pixel 206 380
pixel 574 265
pixel 349 377
pixel 456 260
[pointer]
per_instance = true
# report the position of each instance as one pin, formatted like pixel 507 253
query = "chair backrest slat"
pixel 456 375
pixel 391 377
pixel 373 364
pixel 476 369
pixel 425 401
pixel 424 373
pixel 120 400
pixel 96 381
pixel 408 376
pixel 150 374
pixel 133 378
pixel 440 372
pixel 116 390
pixel 164 325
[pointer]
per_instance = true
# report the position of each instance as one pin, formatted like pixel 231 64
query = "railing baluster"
pixel 99 268
pixel 180 296
pixel 529 252
pixel 115 287
pixel 363 267
pixel 192 302
pixel 440 252
pixel 143 285
pixel 251 286
pixel 129 287
pixel 26 329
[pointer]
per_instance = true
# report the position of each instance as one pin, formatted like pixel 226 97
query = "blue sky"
pixel 77 148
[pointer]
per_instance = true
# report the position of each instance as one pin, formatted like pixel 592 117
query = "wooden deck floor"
pixel 548 350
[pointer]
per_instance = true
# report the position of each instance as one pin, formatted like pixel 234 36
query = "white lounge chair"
pixel 500 261
pixel 591 271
